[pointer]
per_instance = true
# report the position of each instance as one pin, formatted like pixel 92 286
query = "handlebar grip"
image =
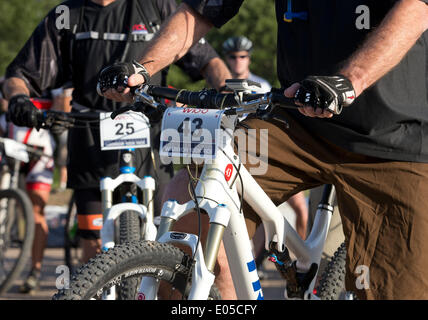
pixel 204 99
pixel 163 92
pixel 278 98
pixel 182 96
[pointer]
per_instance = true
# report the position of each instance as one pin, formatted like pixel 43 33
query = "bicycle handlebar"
pixel 206 98
pixel 235 104
pixel 48 118
pixel 211 99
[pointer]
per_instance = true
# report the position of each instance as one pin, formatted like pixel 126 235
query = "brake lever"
pixel 46 121
pixel 124 109
pixel 280 119
pixel 267 114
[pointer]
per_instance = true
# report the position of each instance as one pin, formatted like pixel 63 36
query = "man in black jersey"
pixel 362 124
pixel 101 33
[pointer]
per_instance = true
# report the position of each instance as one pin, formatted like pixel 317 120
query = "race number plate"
pixel 127 130
pixel 16 150
pixel 190 133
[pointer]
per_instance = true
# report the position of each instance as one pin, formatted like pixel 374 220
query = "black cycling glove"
pixel 116 75
pixel 328 93
pixel 22 112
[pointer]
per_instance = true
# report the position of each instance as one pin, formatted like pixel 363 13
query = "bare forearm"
pixel 216 73
pixel 174 39
pixel 14 86
pixel 387 45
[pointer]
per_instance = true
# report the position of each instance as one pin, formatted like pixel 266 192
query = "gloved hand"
pixel 116 75
pixel 22 112
pixel 328 93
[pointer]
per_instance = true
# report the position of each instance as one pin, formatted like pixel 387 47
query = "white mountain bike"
pixel 219 193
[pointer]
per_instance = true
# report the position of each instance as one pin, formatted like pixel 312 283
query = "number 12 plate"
pixel 127 130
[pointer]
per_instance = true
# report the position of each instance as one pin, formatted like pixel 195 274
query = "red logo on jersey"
pixel 139 27
pixel 228 172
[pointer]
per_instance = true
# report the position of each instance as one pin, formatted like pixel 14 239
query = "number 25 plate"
pixel 127 130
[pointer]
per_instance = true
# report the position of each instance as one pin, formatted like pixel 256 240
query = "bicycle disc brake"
pixel 297 282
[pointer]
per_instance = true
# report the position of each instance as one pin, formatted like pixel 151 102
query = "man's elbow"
pixel 420 9
pixel 201 20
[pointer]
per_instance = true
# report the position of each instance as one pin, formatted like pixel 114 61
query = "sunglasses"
pixel 233 57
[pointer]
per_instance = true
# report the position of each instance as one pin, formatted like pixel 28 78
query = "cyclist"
pixel 38 180
pixel 101 32
pixel 61 141
pixel 237 51
pixel 374 151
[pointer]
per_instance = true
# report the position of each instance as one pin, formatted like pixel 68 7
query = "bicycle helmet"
pixel 237 44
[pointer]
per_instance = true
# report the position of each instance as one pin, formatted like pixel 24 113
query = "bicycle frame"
pixel 227 223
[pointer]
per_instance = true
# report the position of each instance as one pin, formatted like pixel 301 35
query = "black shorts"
pixel 89 213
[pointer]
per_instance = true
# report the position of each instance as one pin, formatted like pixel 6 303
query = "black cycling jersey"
pixel 48 61
pixel 390 119
pixel 97 37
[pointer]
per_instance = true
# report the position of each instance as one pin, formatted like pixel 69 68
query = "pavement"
pixel 54 266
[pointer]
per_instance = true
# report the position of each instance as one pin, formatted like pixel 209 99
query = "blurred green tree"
pixel 18 19
pixel 257 21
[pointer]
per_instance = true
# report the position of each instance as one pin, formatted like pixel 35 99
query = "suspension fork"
pixel 218 222
pixel 203 270
pixel 127 190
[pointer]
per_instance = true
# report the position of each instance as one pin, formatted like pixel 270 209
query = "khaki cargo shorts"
pixel 383 206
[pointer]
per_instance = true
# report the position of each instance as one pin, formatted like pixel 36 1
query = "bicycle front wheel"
pixel 16 235
pixel 129 231
pixel 164 262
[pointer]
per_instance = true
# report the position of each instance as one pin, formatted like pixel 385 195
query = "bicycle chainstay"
pixel 297 282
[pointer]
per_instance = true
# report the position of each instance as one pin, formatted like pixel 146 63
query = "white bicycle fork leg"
pixel 148 289
pixel 242 266
pixel 202 278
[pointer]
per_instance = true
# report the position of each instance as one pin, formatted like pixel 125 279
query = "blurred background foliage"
pixel 256 20
pixel 18 19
